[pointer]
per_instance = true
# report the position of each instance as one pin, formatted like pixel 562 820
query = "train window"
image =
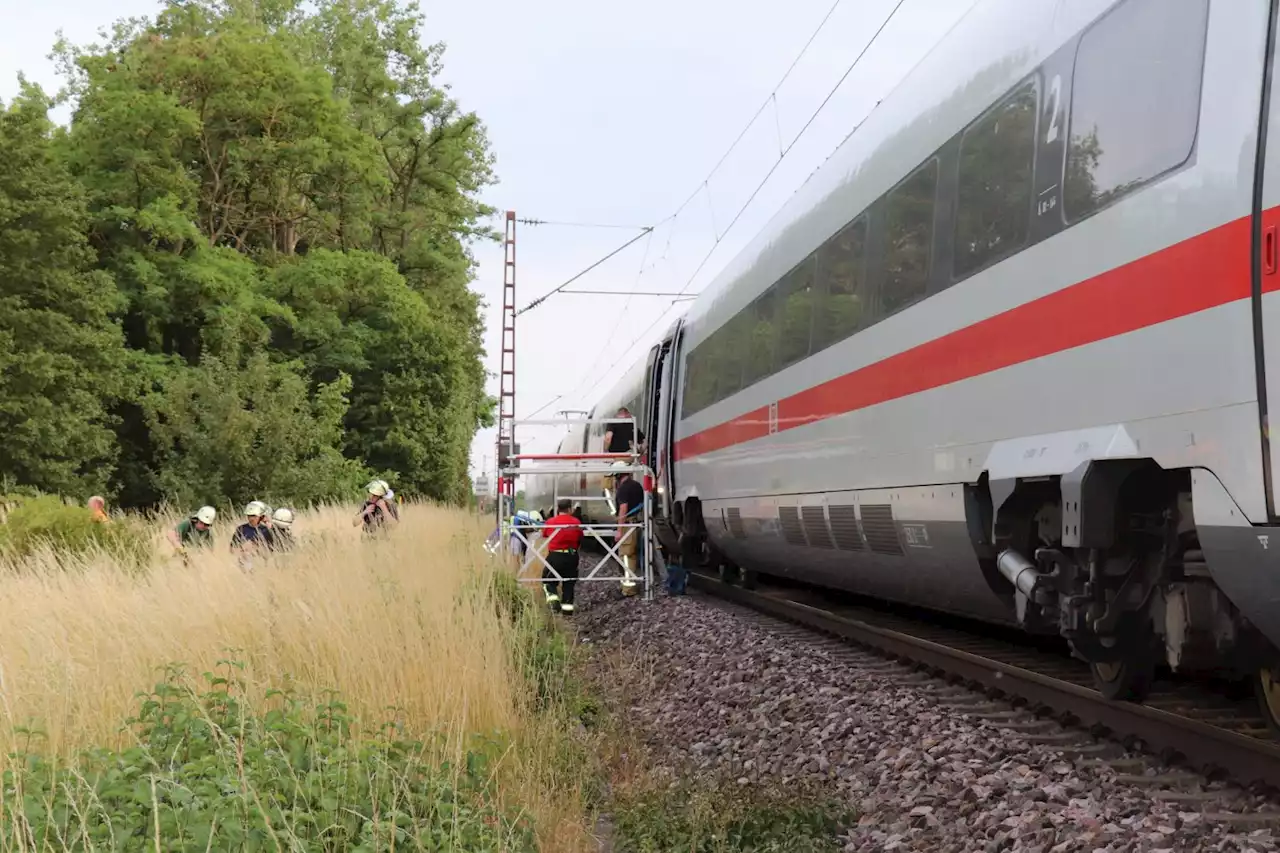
pixel 993 204
pixel 795 314
pixel 698 381
pixel 760 346
pixel 908 210
pixel 1135 101
pixel 725 358
pixel 839 273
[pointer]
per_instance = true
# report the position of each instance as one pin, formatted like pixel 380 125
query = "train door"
pixel 646 417
pixel 657 426
pixel 1263 254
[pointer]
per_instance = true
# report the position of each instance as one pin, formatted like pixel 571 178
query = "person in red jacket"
pixel 564 536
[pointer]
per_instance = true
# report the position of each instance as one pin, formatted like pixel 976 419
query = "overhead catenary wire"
pixel 544 297
pixel 580 224
pixel 703 185
pixel 808 123
pixel 785 151
pixel 622 292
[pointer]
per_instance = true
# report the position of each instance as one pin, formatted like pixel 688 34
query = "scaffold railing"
pixel 527 540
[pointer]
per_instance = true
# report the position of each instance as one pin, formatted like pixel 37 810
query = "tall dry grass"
pixel 403 623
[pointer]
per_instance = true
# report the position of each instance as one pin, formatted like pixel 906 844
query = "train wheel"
pixel 1266 686
pixel 1128 678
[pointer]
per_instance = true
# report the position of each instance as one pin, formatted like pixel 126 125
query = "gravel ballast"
pixel 719 691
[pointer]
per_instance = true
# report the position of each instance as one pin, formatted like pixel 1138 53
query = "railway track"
pixel 1047 697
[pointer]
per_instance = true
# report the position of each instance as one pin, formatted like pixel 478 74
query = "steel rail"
pixel 1209 748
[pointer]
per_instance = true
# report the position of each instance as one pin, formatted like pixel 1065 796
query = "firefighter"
pixel 564 537
pixel 253 535
pixel 281 530
pixel 375 514
pixel 194 531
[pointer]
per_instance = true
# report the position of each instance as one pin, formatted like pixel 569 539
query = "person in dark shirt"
pixel 630 502
pixel 252 536
pixel 564 537
pixel 620 436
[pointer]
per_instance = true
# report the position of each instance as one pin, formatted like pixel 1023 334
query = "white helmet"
pixel 206 515
pixel 536 516
pixel 283 516
pixel 377 488
pixel 255 508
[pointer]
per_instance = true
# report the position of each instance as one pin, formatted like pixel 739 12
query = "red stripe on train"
pixel 1202 272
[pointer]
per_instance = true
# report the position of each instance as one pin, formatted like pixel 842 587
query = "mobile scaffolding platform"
pixel 556 466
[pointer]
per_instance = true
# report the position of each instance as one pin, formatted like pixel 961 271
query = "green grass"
pixel 208 772
pixel 727 818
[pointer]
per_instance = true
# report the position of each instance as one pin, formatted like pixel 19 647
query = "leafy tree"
pixel 284 199
pixel 354 314
pixel 226 431
pixel 60 354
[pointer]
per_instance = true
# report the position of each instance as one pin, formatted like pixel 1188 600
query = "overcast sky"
pixel 613 115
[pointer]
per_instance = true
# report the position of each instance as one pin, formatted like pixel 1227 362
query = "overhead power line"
pixel 772 98
pixel 626 351
pixel 783 152
pixel 544 297
pixel 579 224
pixel 623 292
pixel 787 150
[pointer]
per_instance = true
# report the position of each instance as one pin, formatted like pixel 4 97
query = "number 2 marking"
pixel 1055 93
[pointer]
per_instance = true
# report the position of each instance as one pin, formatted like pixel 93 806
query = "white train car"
pixel 1009 352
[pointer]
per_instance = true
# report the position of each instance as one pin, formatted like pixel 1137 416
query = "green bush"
pixel 70 531
pixel 209 773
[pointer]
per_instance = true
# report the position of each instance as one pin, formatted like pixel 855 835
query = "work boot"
pixel 566 608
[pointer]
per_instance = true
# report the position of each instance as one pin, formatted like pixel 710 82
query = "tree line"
pixel 241 270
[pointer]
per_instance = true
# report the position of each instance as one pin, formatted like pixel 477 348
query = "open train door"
pixel 658 426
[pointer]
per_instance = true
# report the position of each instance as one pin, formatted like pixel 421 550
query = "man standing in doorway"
pixel 622 436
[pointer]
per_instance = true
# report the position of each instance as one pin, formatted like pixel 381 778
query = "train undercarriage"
pixel 1110 560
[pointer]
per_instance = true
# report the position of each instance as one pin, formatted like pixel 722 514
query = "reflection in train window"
pixel 908 211
pixel 695 382
pixel 795 314
pixel 762 335
pixel 1135 101
pixel 840 264
pixel 725 360
pixel 993 205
